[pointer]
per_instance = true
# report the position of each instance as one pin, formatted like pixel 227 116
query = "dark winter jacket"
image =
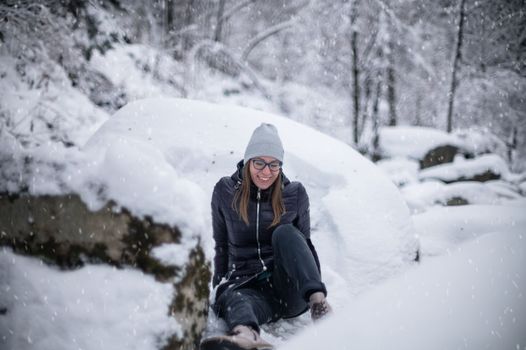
pixel 237 257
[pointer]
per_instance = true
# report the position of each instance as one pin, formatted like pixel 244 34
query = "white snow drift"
pixel 161 157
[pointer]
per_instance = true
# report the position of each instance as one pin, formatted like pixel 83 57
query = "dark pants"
pixel 284 294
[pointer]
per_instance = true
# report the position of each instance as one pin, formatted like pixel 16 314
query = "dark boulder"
pixel 456 201
pixel 439 155
pixel 62 231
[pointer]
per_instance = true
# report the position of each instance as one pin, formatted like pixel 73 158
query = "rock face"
pixel 487 175
pixel 439 155
pixel 63 231
pixel 457 201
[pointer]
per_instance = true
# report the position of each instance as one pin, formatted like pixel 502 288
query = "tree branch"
pixel 265 35
pixel 233 10
pixel 219 47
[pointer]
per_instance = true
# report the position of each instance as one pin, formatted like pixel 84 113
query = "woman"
pixel 266 267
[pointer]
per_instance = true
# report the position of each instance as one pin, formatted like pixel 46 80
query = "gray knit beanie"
pixel 265 141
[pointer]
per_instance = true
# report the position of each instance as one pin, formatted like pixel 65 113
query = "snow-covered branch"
pixel 265 35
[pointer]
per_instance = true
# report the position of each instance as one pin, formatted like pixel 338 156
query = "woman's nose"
pixel 266 169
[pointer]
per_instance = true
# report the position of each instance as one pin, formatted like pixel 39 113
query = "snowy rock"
pixel 152 167
pixel 421 196
pixel 484 168
pixel 439 155
pixel 63 231
pixel 401 171
pixel 480 142
pixel 428 146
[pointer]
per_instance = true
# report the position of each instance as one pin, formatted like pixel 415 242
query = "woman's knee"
pixel 285 234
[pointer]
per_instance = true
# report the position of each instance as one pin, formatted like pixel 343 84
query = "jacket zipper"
pixel 257 230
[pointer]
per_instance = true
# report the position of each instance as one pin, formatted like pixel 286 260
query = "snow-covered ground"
pixel 161 157
pixel 471 298
pixel 468 291
pixel 95 307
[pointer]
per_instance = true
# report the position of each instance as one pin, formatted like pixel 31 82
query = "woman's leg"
pixel 296 274
pixel 243 310
pixel 244 306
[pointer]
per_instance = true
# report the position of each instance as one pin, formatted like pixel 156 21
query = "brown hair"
pixel 242 197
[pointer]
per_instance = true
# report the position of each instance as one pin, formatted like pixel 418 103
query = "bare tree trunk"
pixel 512 144
pixel 169 18
pixel 219 21
pixel 418 117
pixel 356 86
pixel 391 85
pixel 365 111
pixel 355 74
pixel 188 18
pixel 375 153
pixel 456 64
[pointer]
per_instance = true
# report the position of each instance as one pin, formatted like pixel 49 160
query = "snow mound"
pixel 165 155
pixel 400 170
pixel 470 299
pixel 95 307
pixel 441 229
pixel 160 158
pixel 481 141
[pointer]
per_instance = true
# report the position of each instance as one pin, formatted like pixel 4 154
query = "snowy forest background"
pixel 350 69
pixel 343 67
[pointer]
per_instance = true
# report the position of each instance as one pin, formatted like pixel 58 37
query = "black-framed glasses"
pixel 260 164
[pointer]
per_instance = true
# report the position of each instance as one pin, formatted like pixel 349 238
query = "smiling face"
pixel 265 177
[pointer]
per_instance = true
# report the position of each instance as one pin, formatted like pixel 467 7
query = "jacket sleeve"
pixel 220 237
pixel 303 221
